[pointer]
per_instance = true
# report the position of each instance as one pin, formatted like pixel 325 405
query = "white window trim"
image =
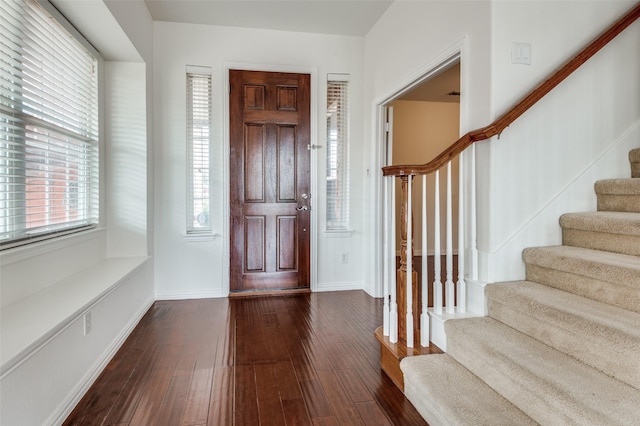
pixel 193 233
pixel 344 230
pixel 66 236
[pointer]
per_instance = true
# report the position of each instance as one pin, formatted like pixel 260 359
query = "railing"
pixel 406 318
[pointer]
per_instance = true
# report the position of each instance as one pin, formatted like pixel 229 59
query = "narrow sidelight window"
pixel 337 152
pixel 49 134
pixel 198 149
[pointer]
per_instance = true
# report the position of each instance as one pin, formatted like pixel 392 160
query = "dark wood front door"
pixel 269 180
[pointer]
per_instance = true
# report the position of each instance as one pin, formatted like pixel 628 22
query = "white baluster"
pixel 461 286
pixel 424 314
pixel 437 283
pixel 386 257
pixel 409 267
pixel 473 245
pixel 449 250
pixel 393 305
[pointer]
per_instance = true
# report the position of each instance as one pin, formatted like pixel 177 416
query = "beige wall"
pixel 421 130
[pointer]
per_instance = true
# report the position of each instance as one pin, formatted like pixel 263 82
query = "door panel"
pixel 254 150
pixel 269 172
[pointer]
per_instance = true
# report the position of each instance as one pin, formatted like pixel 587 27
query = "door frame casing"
pixel 458 51
pixel 313 126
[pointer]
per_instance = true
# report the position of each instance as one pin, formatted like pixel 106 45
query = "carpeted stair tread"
pixel 634 159
pixel 603 336
pixel 611 278
pixel 617 232
pixel 446 393
pixel 550 387
pixel 622 195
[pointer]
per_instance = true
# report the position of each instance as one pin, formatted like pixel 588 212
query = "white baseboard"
pixel 60 415
pixel 182 295
pixel 340 286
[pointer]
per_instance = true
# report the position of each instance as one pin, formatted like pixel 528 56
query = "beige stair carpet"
pixel 634 159
pixel 606 277
pixel 620 195
pixel 617 232
pixel 582 328
pixel 562 347
pixel 440 374
pixel 550 387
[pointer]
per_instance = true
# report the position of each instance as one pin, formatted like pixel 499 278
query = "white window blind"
pixel 198 149
pixel 337 152
pixel 48 127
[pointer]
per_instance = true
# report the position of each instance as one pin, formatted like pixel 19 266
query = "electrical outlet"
pixel 344 258
pixel 87 323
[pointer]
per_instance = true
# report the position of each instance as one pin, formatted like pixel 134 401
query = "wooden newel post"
pixel 401 276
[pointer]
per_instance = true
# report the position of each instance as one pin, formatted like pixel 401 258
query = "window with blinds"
pixel 48 127
pixel 198 149
pixel 337 152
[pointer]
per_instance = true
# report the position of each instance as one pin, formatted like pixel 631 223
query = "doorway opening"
pixel 422 119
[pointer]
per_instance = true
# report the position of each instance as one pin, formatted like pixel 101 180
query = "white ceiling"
pixel 345 17
pixel 437 88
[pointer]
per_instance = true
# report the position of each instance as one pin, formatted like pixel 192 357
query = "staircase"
pixel 562 347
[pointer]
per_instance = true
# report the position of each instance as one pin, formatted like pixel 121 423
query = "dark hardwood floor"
pixel 308 359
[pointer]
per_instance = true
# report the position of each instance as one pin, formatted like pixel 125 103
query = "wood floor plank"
pixel 245 408
pixel 199 397
pixel 295 412
pixel 372 414
pixel 345 411
pixel 294 360
pixel 304 368
pixel 148 407
pixel 353 385
pixel 316 399
pixel 174 402
pixel 222 392
pixel 326 421
pixel 288 386
pixel 269 405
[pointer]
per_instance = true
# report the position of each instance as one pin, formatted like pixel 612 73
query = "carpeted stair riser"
pixel 584 329
pixel 615 232
pixel 473 402
pixel 634 159
pixel 618 195
pixel 605 277
pixel 550 387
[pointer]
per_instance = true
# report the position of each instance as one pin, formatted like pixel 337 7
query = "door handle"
pixel 303 208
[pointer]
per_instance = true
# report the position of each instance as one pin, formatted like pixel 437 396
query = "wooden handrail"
pixel 521 107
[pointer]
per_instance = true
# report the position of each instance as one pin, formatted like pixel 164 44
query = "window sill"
pixel 203 237
pixel 347 233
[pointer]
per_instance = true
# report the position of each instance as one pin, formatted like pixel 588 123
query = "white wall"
pixel 411 38
pixel 422 130
pixel 186 268
pixel 543 165
pixel 126 159
pixel 546 163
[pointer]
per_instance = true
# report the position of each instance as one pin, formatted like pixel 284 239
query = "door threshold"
pixel 265 293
